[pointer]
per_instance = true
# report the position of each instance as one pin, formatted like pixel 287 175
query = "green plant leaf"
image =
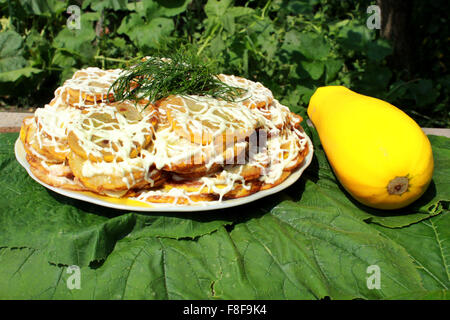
pixel 315 69
pixel 291 41
pixel 298 98
pixel 424 295
pixel 304 254
pixel 105 4
pixel 10 43
pixel 13 66
pixel 63 59
pixel 422 92
pixel 327 192
pixel 15 75
pixel 153 8
pixel 227 21
pixel 354 37
pixel 434 235
pixel 301 6
pixel 74 232
pixel 374 81
pixel 29 275
pixel 39 7
pixel 170 8
pixel 237 12
pixel 146 34
pixel 78 41
pixel 332 66
pixel 314 245
pixel 11 52
pixel 313 46
pixel 308 48
pixel 378 50
pixel 144 268
pixel 217 8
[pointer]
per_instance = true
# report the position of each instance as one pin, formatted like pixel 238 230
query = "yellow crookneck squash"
pixel 379 154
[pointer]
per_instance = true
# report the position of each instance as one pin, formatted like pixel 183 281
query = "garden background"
pixel 292 47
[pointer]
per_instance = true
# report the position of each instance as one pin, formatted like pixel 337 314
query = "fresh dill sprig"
pixel 182 73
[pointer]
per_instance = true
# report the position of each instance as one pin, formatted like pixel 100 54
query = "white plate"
pixel 135 205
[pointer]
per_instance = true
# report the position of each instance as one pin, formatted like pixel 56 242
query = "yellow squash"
pixel 379 154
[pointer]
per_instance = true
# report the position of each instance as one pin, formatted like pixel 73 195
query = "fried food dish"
pixel 181 149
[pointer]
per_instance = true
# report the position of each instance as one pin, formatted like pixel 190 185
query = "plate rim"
pixel 20 153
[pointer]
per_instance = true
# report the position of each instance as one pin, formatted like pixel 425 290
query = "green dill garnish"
pixel 183 73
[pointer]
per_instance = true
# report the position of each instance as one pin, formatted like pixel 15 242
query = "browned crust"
pixel 68 173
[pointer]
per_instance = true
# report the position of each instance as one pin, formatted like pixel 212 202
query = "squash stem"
pixel 398 185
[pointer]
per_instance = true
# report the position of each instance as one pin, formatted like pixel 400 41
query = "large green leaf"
pixel 305 256
pixel 378 50
pixel 105 4
pixel 145 34
pixel 26 274
pixel 150 268
pixel 315 69
pixel 310 45
pixel 308 242
pixel 166 8
pixel 424 295
pixel 305 252
pixel 428 245
pixel 217 8
pixel 333 66
pixel 265 36
pixel 291 41
pixel 313 46
pixel 10 44
pixel 156 8
pixel 13 65
pixel 43 7
pixel 79 41
pixel 354 36
pixel 300 6
pixel 74 232
pixel 14 75
pixel 327 192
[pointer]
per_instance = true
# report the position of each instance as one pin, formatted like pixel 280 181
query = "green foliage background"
pixel 292 47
